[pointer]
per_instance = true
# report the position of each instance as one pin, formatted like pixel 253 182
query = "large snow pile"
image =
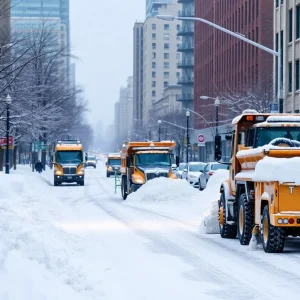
pixel 37 259
pixel 278 169
pixel 211 195
pixel 164 190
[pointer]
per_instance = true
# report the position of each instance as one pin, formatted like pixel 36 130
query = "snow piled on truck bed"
pixel 278 169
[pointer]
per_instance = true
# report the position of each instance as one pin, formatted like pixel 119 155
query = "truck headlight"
pixel 81 172
pixel 139 181
pixel 57 172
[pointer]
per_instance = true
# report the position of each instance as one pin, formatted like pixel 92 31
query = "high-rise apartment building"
pixel 152 6
pixel 224 64
pixel 187 49
pixel 160 55
pixel 287 40
pixel 124 112
pixel 138 64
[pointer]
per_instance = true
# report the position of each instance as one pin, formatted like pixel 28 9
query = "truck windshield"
pixel 266 134
pixel 114 162
pixel 162 159
pixel 69 157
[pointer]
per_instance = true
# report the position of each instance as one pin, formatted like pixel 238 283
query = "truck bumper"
pixel 285 220
pixel 135 187
pixel 69 179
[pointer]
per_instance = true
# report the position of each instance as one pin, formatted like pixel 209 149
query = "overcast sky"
pixel 102 38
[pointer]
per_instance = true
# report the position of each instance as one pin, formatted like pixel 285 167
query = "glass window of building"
pixel 166 26
pixel 298 22
pixel 297 77
pixel 153 26
pixel 153 93
pixel 166 55
pixel 153 36
pixel 166 36
pixel 153 46
pixel 166 75
pixel 153 84
pixel 153 65
pixel 153 74
pixel 166 84
pixel 166 46
pixel 166 65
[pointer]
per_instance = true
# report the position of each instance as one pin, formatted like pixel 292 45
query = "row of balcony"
pixel 185 97
pixel 188 13
pixel 186 30
pixel 186 64
pixel 186 47
pixel 185 80
pixel 186 1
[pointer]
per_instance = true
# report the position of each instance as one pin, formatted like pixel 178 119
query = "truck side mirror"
pixel 218 148
pixel 177 161
pixel 128 161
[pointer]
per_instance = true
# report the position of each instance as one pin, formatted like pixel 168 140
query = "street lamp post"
pixel 159 123
pixel 236 35
pixel 8 103
pixel 187 135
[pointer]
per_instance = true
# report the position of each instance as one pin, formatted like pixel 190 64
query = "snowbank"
pixel 278 169
pixel 209 220
pixel 164 190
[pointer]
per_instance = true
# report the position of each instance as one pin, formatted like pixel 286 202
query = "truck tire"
pixel 107 175
pixel 124 187
pixel 226 231
pixel 56 183
pixel 273 237
pixel 245 219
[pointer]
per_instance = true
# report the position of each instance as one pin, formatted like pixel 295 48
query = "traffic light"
pixel 218 148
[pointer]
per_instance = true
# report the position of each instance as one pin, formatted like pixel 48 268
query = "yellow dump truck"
pixel 258 199
pixel 113 164
pixel 68 163
pixel 143 161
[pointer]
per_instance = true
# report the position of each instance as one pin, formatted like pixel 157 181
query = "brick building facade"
pixel 224 63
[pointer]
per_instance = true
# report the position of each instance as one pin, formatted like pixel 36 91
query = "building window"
pixel 153 74
pixel 166 75
pixel 166 26
pixel 277 3
pixel 166 84
pixel 153 36
pixel 290 87
pixel 153 55
pixel 166 36
pixel 153 65
pixel 153 93
pixel 297 77
pixel 166 55
pixel 281 2
pixel 153 84
pixel 178 55
pixel 166 46
pixel 290 25
pixel 298 22
pixel 153 46
pixel 178 27
pixel 153 26
pixel 166 65
pixel 177 75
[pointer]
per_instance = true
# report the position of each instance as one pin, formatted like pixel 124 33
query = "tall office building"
pixel 160 54
pixel 30 14
pixel 5 22
pixel 287 40
pixel 187 50
pixel 225 64
pixel 138 69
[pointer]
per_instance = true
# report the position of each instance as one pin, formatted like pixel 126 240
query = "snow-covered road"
pixel 74 242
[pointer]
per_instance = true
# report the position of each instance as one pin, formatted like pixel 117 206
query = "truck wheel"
pixel 107 175
pixel 56 183
pixel 245 220
pixel 226 231
pixel 273 237
pixel 124 187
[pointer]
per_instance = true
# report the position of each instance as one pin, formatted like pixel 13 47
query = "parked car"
pixel 91 161
pixel 194 175
pixel 211 167
pixel 180 169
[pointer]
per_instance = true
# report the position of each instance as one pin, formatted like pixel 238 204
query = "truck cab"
pixel 68 163
pixel 143 161
pixel 113 164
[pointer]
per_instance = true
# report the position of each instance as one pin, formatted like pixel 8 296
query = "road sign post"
pixel 201 140
pixel 274 108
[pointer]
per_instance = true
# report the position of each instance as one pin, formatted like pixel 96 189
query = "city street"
pixel 73 242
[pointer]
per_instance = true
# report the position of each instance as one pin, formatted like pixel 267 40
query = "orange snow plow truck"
pixel 143 161
pixel 261 197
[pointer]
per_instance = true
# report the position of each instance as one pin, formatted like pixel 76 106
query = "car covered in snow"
pixel 212 167
pixel 91 161
pixel 180 169
pixel 194 174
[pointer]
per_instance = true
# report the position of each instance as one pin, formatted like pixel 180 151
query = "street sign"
pixel 273 108
pixel 201 140
pixel 3 141
pixel 39 146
